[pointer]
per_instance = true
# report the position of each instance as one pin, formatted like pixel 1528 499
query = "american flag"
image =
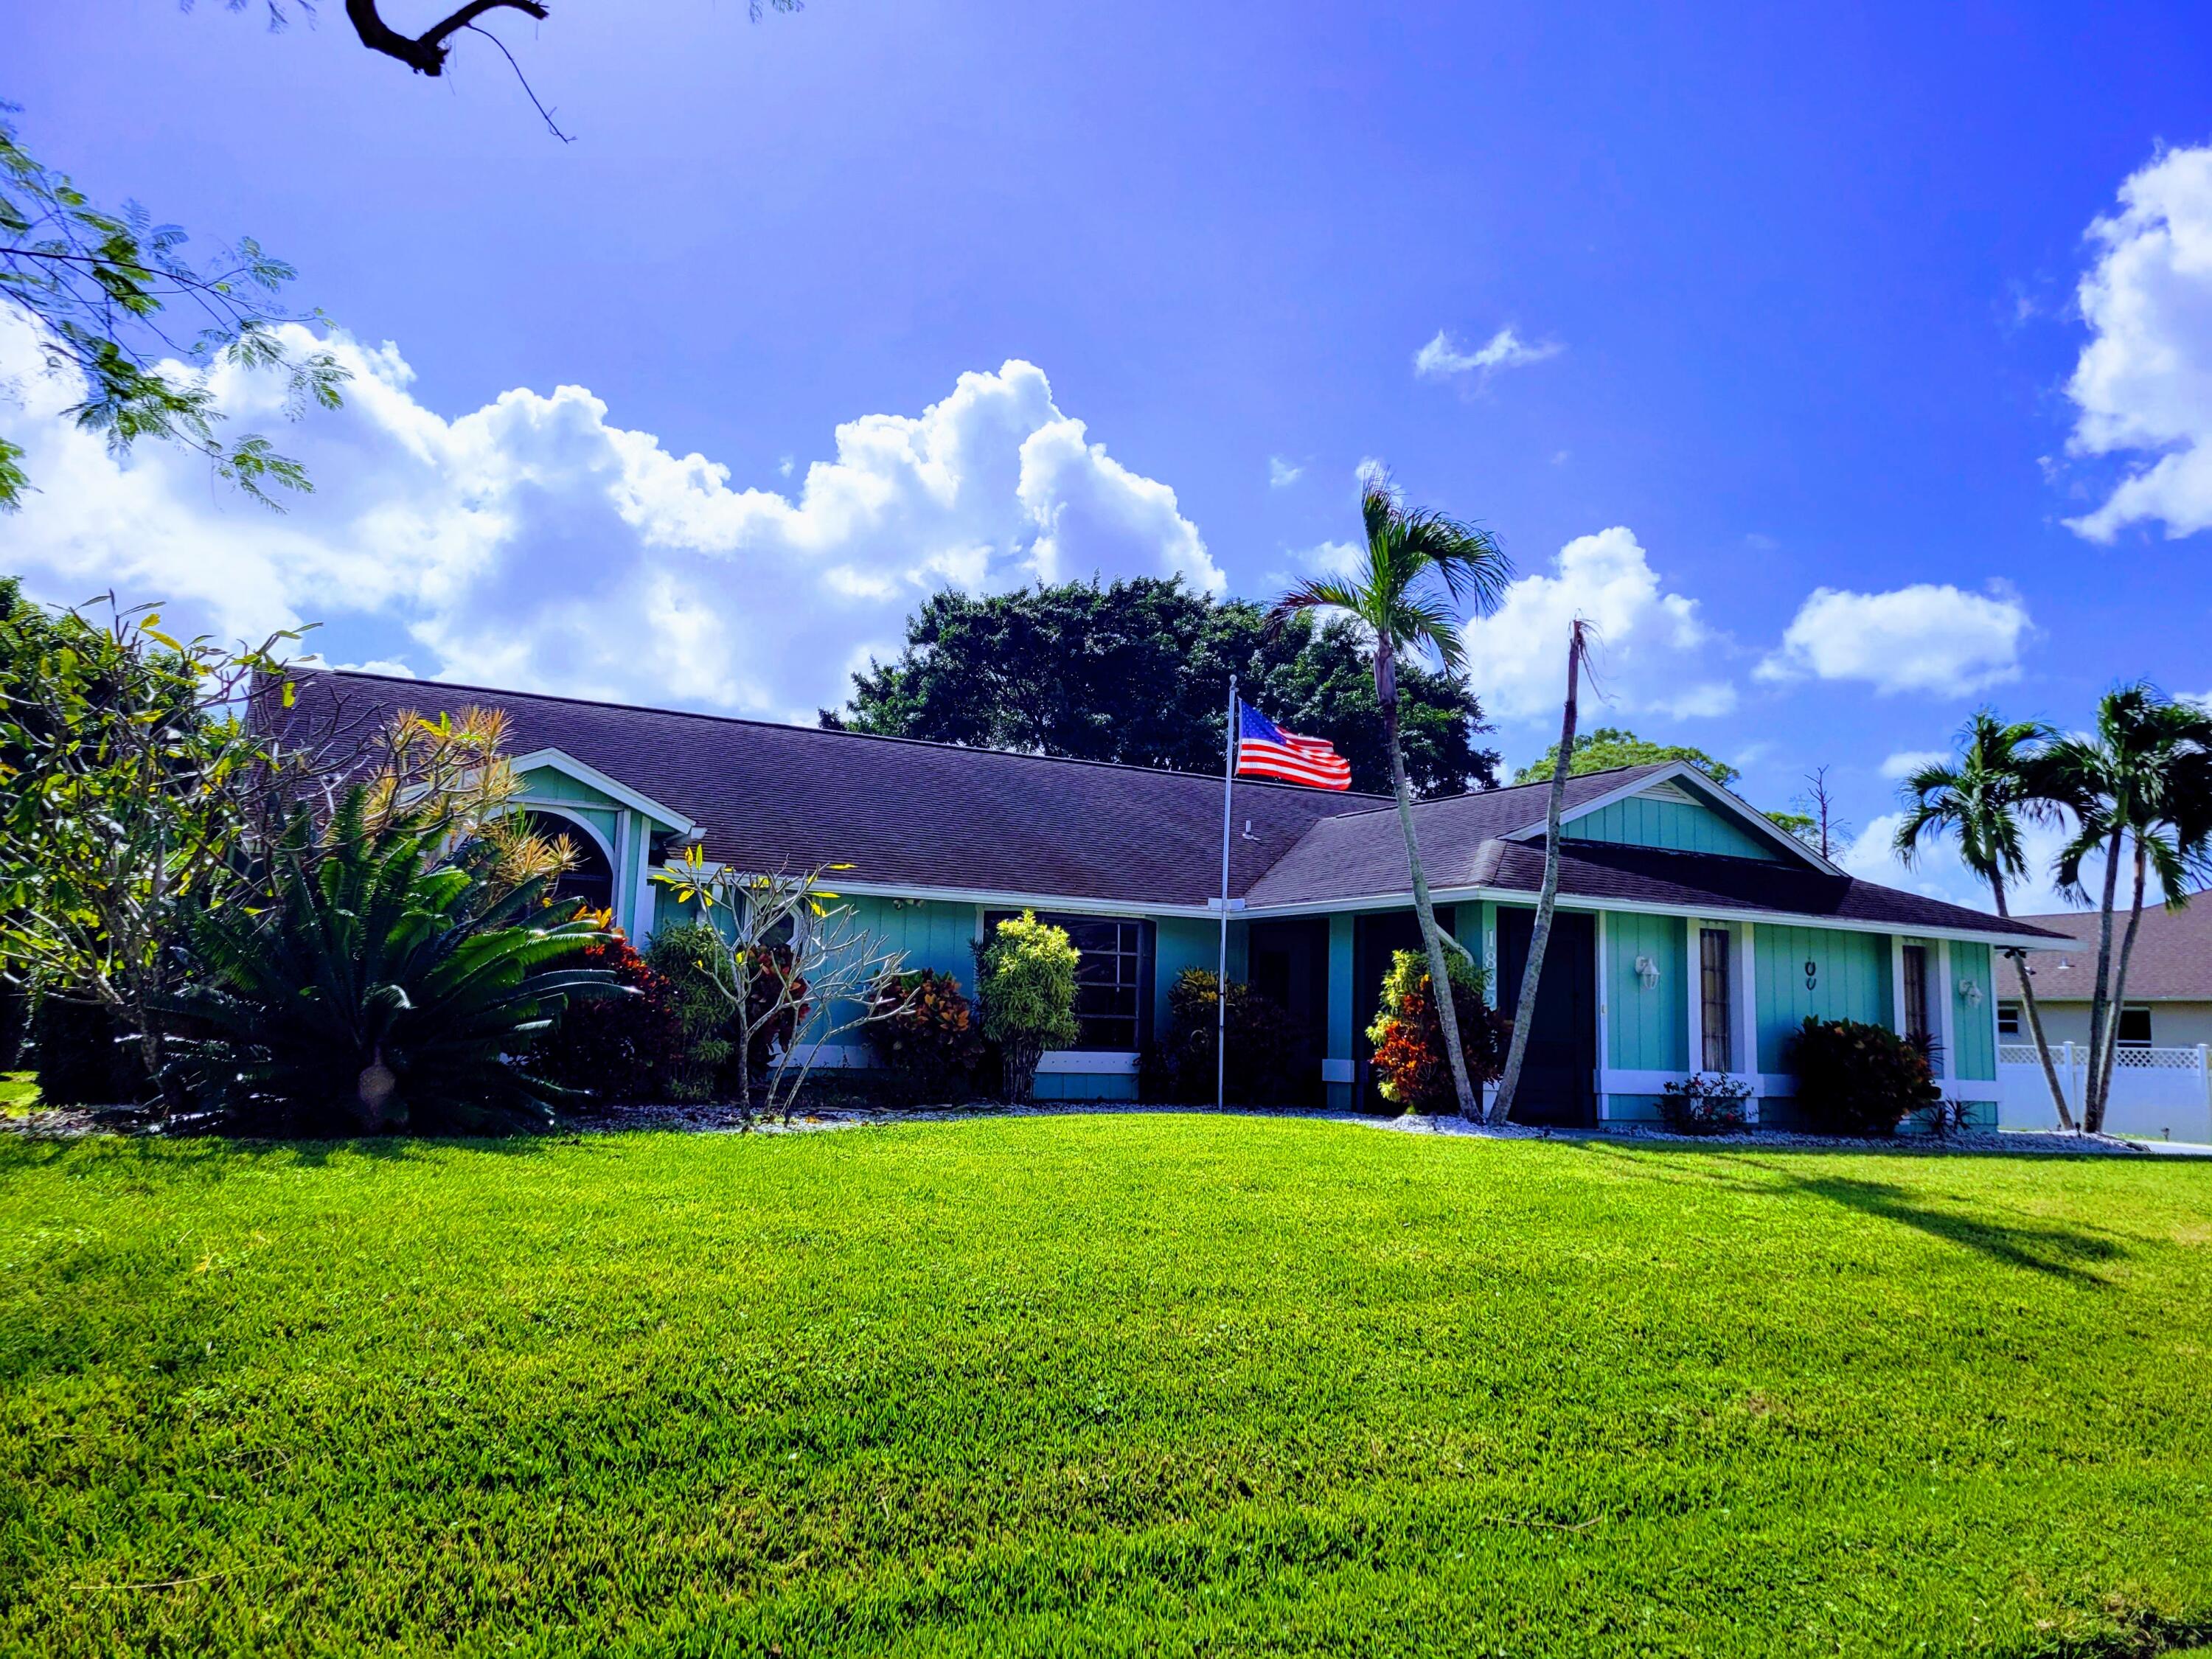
pixel 1264 749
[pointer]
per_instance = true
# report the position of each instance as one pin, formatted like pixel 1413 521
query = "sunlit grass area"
pixel 19 1092
pixel 1160 1384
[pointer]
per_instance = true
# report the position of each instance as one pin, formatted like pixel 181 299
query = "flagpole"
pixel 1221 978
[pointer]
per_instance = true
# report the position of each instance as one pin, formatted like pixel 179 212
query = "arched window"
pixel 590 877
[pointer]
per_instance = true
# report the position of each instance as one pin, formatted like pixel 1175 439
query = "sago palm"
pixel 382 989
pixel 1417 574
pixel 2140 788
pixel 1982 796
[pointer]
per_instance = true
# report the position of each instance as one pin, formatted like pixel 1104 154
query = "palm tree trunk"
pixel 2034 1013
pixel 1439 977
pixel 2107 1061
pixel 2093 1101
pixel 1540 935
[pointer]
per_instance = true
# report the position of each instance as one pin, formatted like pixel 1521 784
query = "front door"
pixel 1558 1076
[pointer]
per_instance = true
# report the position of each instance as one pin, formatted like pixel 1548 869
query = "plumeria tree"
pixel 796 966
pixel 1416 574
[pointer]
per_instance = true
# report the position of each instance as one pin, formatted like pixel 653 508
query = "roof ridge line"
pixel 834 732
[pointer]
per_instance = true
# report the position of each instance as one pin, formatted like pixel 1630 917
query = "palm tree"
pixel 1416 567
pixel 1983 796
pixel 2140 787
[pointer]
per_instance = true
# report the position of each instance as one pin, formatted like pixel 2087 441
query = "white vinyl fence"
pixel 2158 1094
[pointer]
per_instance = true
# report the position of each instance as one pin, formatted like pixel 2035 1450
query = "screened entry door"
pixel 1558 1078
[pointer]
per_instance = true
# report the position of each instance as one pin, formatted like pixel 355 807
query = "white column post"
pixel 1943 1033
pixel 1746 1003
pixel 1604 1034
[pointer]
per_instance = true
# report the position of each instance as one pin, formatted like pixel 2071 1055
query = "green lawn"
pixel 19 1092
pixel 1100 1385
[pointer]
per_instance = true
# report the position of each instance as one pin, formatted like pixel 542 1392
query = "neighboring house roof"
pixel 2172 962
pixel 927 816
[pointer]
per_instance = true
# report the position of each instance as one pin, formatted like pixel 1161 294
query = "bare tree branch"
pixel 425 53
pixel 544 114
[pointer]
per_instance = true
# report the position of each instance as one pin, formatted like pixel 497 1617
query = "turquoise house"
pixel 1693 935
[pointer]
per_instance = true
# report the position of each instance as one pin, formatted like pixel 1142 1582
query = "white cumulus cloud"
pixel 1652 652
pixel 1442 359
pixel 1938 871
pixel 531 543
pixel 2144 381
pixel 1904 764
pixel 1926 637
pixel 1282 474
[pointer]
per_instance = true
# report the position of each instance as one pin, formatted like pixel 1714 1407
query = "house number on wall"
pixel 1812 975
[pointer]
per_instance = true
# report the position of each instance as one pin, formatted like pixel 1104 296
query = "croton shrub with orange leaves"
pixel 1411 1066
pixel 924 1031
pixel 614 1049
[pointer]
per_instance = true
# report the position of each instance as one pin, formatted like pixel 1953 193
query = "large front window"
pixel 1113 977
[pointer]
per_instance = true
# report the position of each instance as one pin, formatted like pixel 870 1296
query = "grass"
pixel 19 1092
pixel 1168 1385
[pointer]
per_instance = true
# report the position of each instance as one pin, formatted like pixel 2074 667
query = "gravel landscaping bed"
pixel 68 1122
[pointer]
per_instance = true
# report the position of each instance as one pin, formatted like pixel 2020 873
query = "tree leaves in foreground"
pixel 1136 672
pixel 115 303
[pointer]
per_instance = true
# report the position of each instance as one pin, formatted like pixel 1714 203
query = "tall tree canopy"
pixel 1137 670
pixel 1613 745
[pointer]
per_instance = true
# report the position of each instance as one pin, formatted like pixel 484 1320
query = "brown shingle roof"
pixel 901 812
pixel 926 815
pixel 2172 959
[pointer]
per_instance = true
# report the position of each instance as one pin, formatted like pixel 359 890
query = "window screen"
pixel 1719 1046
pixel 2134 1027
pixel 2007 1019
pixel 1916 992
pixel 1113 977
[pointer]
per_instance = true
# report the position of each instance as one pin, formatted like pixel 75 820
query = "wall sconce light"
pixel 1971 992
pixel 1647 973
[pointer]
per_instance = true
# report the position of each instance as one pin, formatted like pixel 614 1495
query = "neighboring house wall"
pixel 2172 1025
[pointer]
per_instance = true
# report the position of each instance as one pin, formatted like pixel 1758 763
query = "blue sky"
pixel 1735 306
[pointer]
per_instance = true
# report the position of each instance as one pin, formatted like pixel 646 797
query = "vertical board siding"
pixel 544 783
pixel 1646 1029
pixel 1852 981
pixel 1180 943
pixel 1670 824
pixel 1973 1031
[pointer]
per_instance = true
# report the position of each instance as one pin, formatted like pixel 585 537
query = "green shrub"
pixel 683 955
pixel 924 1032
pixel 1026 981
pixel 83 1057
pixel 1412 1068
pixel 614 1049
pixel 1264 1052
pixel 1856 1079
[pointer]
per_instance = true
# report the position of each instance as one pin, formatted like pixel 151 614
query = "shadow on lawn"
pixel 2057 1250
